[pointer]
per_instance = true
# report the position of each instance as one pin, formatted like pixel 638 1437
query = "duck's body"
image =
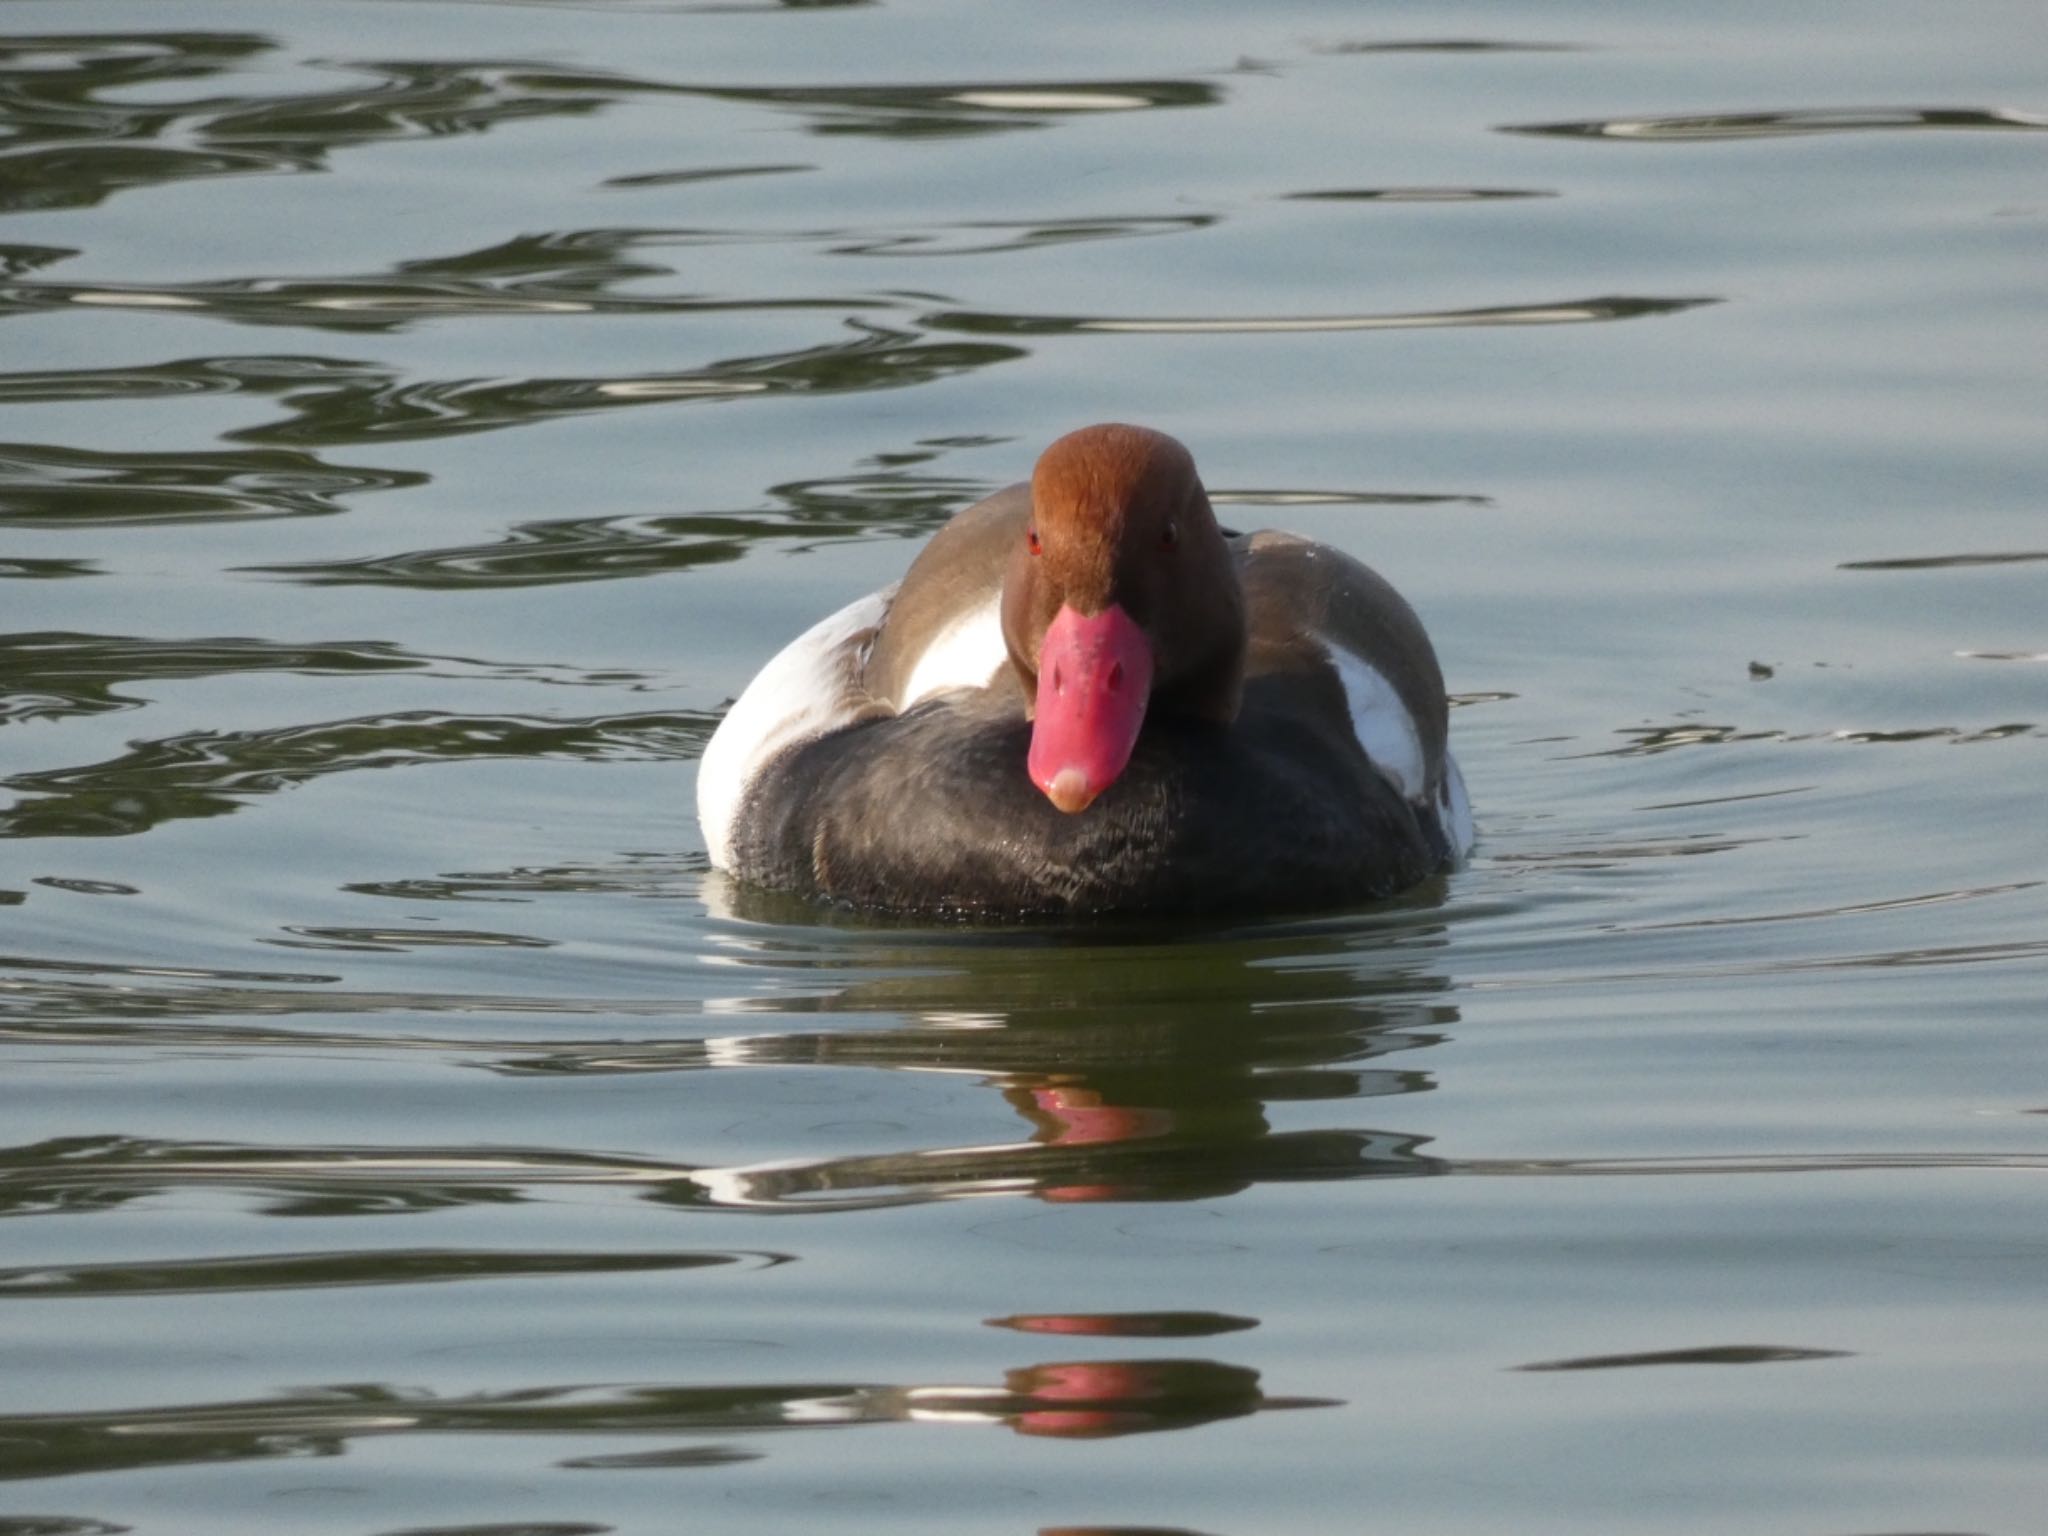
pixel 1084 697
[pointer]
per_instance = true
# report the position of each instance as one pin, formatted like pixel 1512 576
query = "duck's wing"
pixel 1313 609
pixel 945 627
pixel 940 627
pixel 810 688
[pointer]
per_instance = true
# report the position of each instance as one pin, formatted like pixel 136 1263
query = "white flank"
pixel 965 654
pixel 1381 721
pixel 807 690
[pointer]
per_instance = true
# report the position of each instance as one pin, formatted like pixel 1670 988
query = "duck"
pixel 1087 697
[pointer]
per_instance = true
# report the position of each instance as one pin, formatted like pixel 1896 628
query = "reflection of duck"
pixel 1176 1070
pixel 1088 1399
pixel 1086 696
pixel 1166 1103
pixel 1095 1399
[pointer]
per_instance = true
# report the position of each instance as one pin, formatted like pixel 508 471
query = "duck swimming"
pixel 1086 697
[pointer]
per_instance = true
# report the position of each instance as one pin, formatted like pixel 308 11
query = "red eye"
pixel 1169 536
pixel 1031 541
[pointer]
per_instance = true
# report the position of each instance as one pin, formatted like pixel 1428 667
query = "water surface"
pixel 418 421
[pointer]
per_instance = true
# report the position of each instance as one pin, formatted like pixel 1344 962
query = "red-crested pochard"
pixel 1086 697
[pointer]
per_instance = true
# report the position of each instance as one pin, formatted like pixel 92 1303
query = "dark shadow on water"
pixel 1063 1400
pixel 955 109
pixel 1946 562
pixel 1420 194
pixel 1451 45
pixel 50 675
pixel 78 147
pixel 1649 740
pixel 19 567
pixel 58 1525
pixel 1558 312
pixel 241 1274
pixel 214 773
pixel 1697 127
pixel 1126 1325
pixel 1712 1354
pixel 79 143
pixel 87 1174
pixel 332 402
pixel 578 276
pixel 994 237
pixel 43 486
pixel 885 500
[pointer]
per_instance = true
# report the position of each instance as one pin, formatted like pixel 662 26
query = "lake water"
pixel 418 420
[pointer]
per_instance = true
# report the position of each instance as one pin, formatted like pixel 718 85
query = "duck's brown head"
pixel 1121 599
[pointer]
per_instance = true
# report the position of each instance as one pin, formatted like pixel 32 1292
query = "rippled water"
pixel 448 1150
